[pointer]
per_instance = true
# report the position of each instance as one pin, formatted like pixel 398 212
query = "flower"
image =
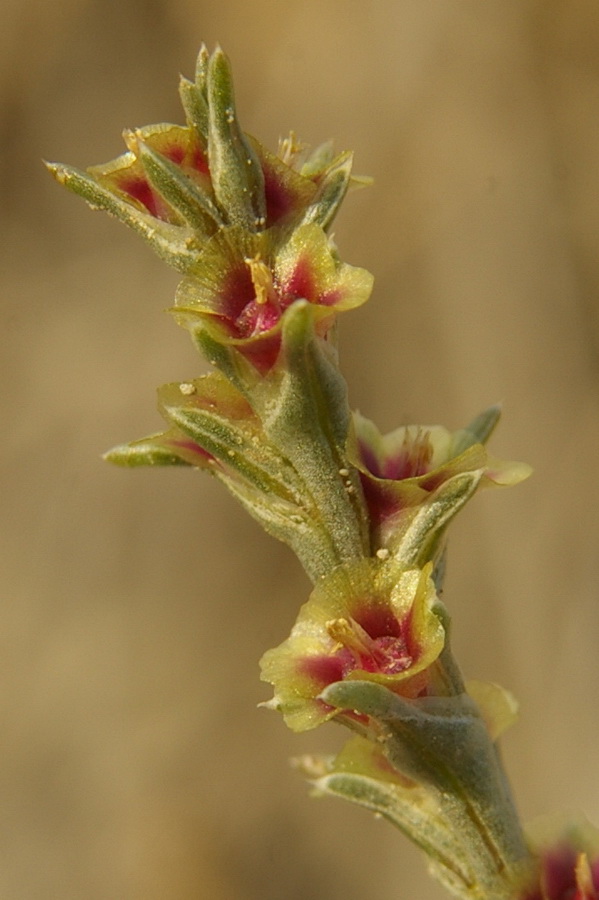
pixel 409 467
pixel 242 284
pixel 136 177
pixel 365 621
pixel 178 185
pixel 247 226
pixel 568 865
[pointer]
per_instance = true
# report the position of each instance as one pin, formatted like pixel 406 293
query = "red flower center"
pixel 412 459
pixel 386 654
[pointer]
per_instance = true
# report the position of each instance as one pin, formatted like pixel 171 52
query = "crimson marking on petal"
pixel 176 153
pixel 300 285
pixel 411 460
pixel 323 669
pixel 139 188
pixel 382 502
pixel 409 463
pixel 236 294
pixel 192 447
pixel 413 646
pixel 378 621
pixel 369 458
pixel 559 878
pixel 262 354
pixel 199 162
pixel 330 298
pixel 278 200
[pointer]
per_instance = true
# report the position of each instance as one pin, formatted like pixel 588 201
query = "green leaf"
pixel 219 420
pixel 196 109
pixel 169 242
pixel 146 452
pixel 363 776
pixel 420 537
pixel 201 75
pixel 332 189
pixel 192 204
pixel 296 526
pixel 236 173
pixel 306 414
pixel 221 423
pixel 443 744
pixel 478 431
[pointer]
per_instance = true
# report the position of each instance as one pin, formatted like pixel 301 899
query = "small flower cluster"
pixel 248 228
pixel 263 286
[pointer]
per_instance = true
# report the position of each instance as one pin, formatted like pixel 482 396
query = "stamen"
pixel 385 654
pixel 290 147
pixel 262 280
pixel 349 634
pixel 418 450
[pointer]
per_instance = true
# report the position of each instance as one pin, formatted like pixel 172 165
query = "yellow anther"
pixel 349 634
pixel 261 279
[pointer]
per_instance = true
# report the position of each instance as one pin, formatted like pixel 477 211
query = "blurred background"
pixel 135 605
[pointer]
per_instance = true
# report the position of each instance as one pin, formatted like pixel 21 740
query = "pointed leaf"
pixel 419 538
pixel 220 421
pixel 298 527
pixel 332 189
pixel 478 431
pixel 442 742
pixel 196 109
pixel 362 775
pixel 236 174
pixel 168 241
pixel 308 420
pixel 147 452
pixel 192 204
pixel 201 74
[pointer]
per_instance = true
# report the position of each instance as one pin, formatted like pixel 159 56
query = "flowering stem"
pixel 444 746
pixel 366 513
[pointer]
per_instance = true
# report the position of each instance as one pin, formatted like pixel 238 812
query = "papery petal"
pixel 244 282
pixel 221 282
pixel 504 473
pixel 403 469
pixel 126 175
pixel 498 707
pixel 388 609
pixel 306 269
pixel 287 193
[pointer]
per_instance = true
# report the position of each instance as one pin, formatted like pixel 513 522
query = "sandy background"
pixel 135 605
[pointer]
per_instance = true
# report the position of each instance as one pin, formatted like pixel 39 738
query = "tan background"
pixel 135 765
